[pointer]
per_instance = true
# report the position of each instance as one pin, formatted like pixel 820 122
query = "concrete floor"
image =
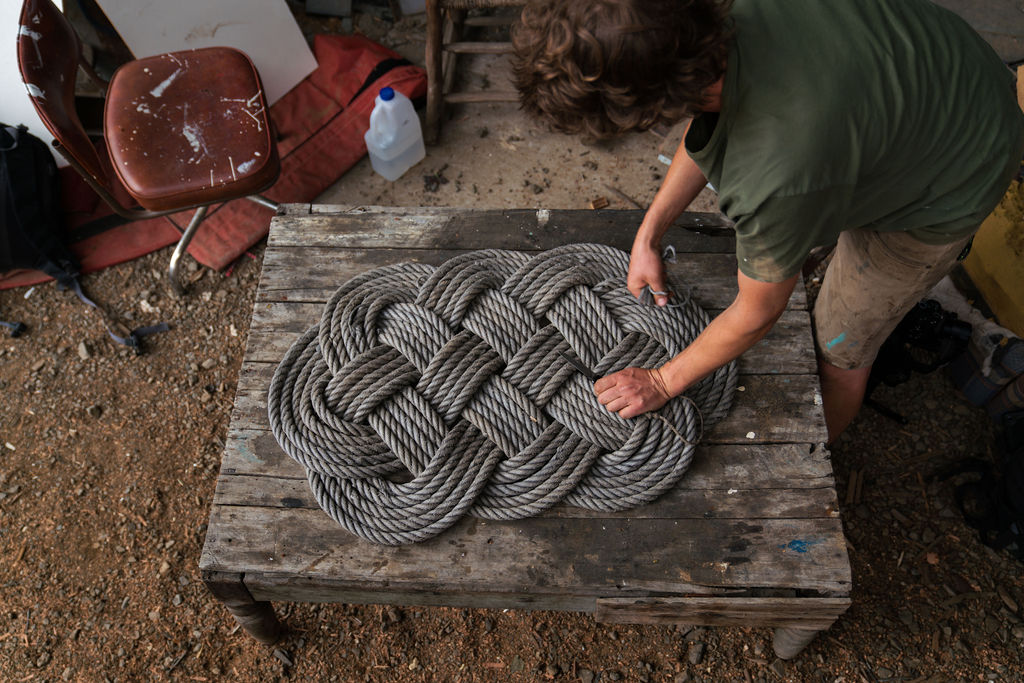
pixel 493 156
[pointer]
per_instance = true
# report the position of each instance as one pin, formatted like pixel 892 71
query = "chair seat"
pixel 178 140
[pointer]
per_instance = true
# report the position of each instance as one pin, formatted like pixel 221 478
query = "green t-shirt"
pixel 838 114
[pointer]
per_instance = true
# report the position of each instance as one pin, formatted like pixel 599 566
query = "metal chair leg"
pixel 263 201
pixel 179 251
pixel 190 231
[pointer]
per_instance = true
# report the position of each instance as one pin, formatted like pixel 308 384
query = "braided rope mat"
pixel 425 394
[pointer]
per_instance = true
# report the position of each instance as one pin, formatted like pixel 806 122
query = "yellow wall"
pixel 996 261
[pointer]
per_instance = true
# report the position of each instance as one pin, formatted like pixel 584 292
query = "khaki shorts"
pixel 874 279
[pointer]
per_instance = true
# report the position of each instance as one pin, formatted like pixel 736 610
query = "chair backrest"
pixel 48 54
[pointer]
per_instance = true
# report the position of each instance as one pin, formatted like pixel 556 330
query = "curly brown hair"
pixel 604 67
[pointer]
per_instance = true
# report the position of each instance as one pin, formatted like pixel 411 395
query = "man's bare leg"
pixel 842 392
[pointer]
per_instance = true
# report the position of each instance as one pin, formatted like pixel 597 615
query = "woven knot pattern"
pixel 425 394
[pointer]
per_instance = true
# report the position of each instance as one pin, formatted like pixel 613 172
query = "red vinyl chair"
pixel 182 130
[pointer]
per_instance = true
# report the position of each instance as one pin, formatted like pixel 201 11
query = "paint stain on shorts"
pixel 838 340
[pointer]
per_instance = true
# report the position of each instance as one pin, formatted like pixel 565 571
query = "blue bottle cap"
pixel 387 94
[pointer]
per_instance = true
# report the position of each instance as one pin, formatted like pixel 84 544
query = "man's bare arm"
pixel 746 321
pixel 682 184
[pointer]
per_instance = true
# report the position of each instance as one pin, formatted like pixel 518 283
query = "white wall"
pixel 266 30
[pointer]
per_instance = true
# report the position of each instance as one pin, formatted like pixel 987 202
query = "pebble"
pixel 43 660
pixel 552 670
pixel 283 656
pixel 696 653
pixel 488 625
pixel 1010 603
pixel 778 667
pixel 68 673
pixel 694 635
pixel 83 351
pixel 177 599
pixel 1018 632
pixel 883 673
pixel 585 676
pixel 208 363
pixel 682 678
pixel 517 664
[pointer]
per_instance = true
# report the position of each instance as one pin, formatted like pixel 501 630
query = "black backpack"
pixel 31 226
pixel 31 231
pixel 926 339
pixel 994 504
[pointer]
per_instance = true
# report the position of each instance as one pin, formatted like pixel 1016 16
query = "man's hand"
pixel 646 270
pixel 632 391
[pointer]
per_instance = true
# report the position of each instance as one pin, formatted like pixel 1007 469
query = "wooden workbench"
pixel 750 536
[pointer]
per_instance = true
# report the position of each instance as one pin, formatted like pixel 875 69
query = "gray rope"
pixel 425 394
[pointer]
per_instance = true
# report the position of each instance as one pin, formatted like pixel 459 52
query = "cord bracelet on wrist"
pixel 659 382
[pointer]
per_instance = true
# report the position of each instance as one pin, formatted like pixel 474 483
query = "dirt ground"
pixel 108 464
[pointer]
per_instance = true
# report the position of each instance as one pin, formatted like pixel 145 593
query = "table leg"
pixel 256 617
pixel 789 641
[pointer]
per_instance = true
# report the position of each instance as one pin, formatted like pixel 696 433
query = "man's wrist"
pixel 653 227
pixel 659 383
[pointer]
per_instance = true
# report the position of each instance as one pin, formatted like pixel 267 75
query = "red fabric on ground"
pixel 320 136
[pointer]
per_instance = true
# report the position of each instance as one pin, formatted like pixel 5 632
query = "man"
pixel 886 127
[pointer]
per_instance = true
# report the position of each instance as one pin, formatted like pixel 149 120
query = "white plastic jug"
pixel 395 139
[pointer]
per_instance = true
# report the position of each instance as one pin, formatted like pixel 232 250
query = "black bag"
pixel 32 229
pixel 926 339
pixel 994 505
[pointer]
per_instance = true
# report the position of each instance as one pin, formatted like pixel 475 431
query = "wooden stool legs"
pixel 443 27
pixel 434 55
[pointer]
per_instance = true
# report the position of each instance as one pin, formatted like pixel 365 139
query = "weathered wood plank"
pixel 479 47
pixel 787 349
pixel 532 229
pixel 769 409
pixel 600 557
pixel 813 613
pixel 276 588
pixel 312 274
pixel 289 272
pixel 680 503
pixel 301 588
pixel 255 453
